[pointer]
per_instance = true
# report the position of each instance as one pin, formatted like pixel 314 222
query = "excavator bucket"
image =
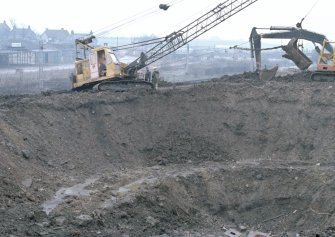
pixel 296 55
pixel 268 74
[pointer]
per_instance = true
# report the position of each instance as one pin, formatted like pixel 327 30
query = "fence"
pixel 34 80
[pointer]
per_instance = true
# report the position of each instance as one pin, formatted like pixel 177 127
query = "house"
pixel 69 51
pixel 54 36
pixel 27 34
pixel 21 46
pixel 74 36
pixel 4 30
pixel 22 39
pixel 16 45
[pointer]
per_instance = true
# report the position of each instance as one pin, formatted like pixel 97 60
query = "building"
pixel 54 36
pixel 17 45
pixel 4 31
pixel 22 46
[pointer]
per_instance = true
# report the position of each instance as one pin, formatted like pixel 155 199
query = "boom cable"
pixel 123 22
pixel 299 24
pixel 209 6
pixel 131 19
pixel 138 44
pixel 152 41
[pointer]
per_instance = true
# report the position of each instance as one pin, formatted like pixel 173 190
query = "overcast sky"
pixel 84 16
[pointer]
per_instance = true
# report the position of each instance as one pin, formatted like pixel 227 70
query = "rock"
pixel 44 224
pixel 38 216
pixel 30 215
pixel 83 220
pixel 50 163
pixel 43 233
pixel 152 221
pixel 46 93
pixel 300 222
pixel 26 154
pixel 164 235
pixel 162 162
pixel 31 198
pixel 27 182
pixel 68 201
pixel 3 211
pixel 59 220
pixel 232 233
pixel 124 215
pixel 122 192
pixel 242 228
pixel 6 181
pixel 258 234
pixel 259 177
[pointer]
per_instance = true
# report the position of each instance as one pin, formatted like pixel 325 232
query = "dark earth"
pixel 234 152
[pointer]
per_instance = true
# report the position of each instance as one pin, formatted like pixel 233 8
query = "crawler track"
pixel 323 76
pixel 123 85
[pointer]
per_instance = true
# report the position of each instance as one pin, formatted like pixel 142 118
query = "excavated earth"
pixel 234 152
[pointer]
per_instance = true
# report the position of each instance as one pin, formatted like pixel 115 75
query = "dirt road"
pixel 223 154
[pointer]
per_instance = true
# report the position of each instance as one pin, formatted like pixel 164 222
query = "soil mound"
pixel 183 162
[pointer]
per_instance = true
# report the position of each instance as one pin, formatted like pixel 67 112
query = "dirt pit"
pixel 235 153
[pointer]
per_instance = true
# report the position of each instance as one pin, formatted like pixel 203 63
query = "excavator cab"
pixel 99 64
pixel 325 69
pixel 326 60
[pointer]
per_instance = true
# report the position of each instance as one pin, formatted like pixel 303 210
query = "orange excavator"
pixel 292 52
pixel 325 68
pixel 325 65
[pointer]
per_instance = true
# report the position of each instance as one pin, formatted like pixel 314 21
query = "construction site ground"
pixel 231 153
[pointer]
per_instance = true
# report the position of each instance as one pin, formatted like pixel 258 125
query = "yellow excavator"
pixel 98 67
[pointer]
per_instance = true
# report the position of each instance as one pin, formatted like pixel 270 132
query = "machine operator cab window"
pixel 105 58
pixel 112 58
pixel 102 63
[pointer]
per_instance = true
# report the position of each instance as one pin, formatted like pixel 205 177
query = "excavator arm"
pixel 177 39
pixel 292 51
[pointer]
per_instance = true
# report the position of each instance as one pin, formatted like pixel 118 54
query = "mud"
pixel 196 161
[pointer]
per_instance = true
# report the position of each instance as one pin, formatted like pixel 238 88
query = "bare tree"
pixel 12 22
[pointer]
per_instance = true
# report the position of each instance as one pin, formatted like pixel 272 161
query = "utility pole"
pixel 40 65
pixel 187 58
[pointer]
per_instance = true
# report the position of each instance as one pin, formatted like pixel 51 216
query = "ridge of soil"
pixel 186 162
